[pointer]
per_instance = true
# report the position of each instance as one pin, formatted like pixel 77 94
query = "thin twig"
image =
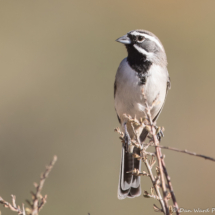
pixel 159 181
pixel 149 169
pixel 158 152
pixel 187 152
pixel 13 206
pixel 155 185
pixel 38 199
pixel 170 187
pixel 159 155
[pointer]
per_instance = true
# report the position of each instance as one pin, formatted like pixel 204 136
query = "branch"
pixel 13 206
pixel 137 127
pixel 152 131
pixel 187 152
pixel 170 187
pixel 154 182
pixel 38 199
pixel 159 181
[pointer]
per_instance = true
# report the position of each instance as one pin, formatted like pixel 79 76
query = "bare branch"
pixel 38 199
pixel 152 131
pixel 155 185
pixel 170 187
pixel 158 181
pixel 143 155
pixel 161 181
pixel 13 206
pixel 187 152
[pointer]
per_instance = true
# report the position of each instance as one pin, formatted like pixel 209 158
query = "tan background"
pixel 58 60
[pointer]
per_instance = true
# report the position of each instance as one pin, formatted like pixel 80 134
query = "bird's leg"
pixel 159 132
pixel 127 138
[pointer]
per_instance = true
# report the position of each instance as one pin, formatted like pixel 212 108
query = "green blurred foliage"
pixel 58 63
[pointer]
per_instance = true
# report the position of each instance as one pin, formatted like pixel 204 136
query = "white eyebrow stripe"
pixel 148 55
pixel 148 37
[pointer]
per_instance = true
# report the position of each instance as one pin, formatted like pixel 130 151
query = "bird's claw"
pixel 159 132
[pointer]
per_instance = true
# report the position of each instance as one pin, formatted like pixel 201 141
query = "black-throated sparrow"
pixel 145 69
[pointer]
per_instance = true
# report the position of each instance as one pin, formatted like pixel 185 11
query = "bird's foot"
pixel 159 132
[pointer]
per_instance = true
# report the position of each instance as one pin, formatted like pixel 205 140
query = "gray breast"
pixel 128 96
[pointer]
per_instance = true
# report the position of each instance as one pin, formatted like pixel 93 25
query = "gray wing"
pixel 145 132
pixel 114 97
pixel 168 87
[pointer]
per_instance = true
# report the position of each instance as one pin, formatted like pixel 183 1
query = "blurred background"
pixel 58 60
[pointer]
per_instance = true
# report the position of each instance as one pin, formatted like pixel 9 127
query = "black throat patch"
pixel 138 63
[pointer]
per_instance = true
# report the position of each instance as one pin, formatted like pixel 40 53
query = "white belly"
pixel 129 98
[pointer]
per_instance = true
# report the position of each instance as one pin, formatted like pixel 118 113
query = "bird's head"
pixel 144 44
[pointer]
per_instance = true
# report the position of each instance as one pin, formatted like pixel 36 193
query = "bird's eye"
pixel 140 38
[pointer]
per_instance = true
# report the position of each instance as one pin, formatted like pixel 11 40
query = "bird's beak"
pixel 124 39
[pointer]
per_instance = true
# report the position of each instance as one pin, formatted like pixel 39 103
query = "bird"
pixel 143 70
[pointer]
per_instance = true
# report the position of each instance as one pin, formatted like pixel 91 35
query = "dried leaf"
pixel 157 209
pixel 168 197
pixel 171 210
pixel 157 170
pixel 136 156
pixel 146 194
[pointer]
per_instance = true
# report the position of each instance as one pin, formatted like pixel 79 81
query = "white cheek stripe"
pixel 148 37
pixel 149 55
